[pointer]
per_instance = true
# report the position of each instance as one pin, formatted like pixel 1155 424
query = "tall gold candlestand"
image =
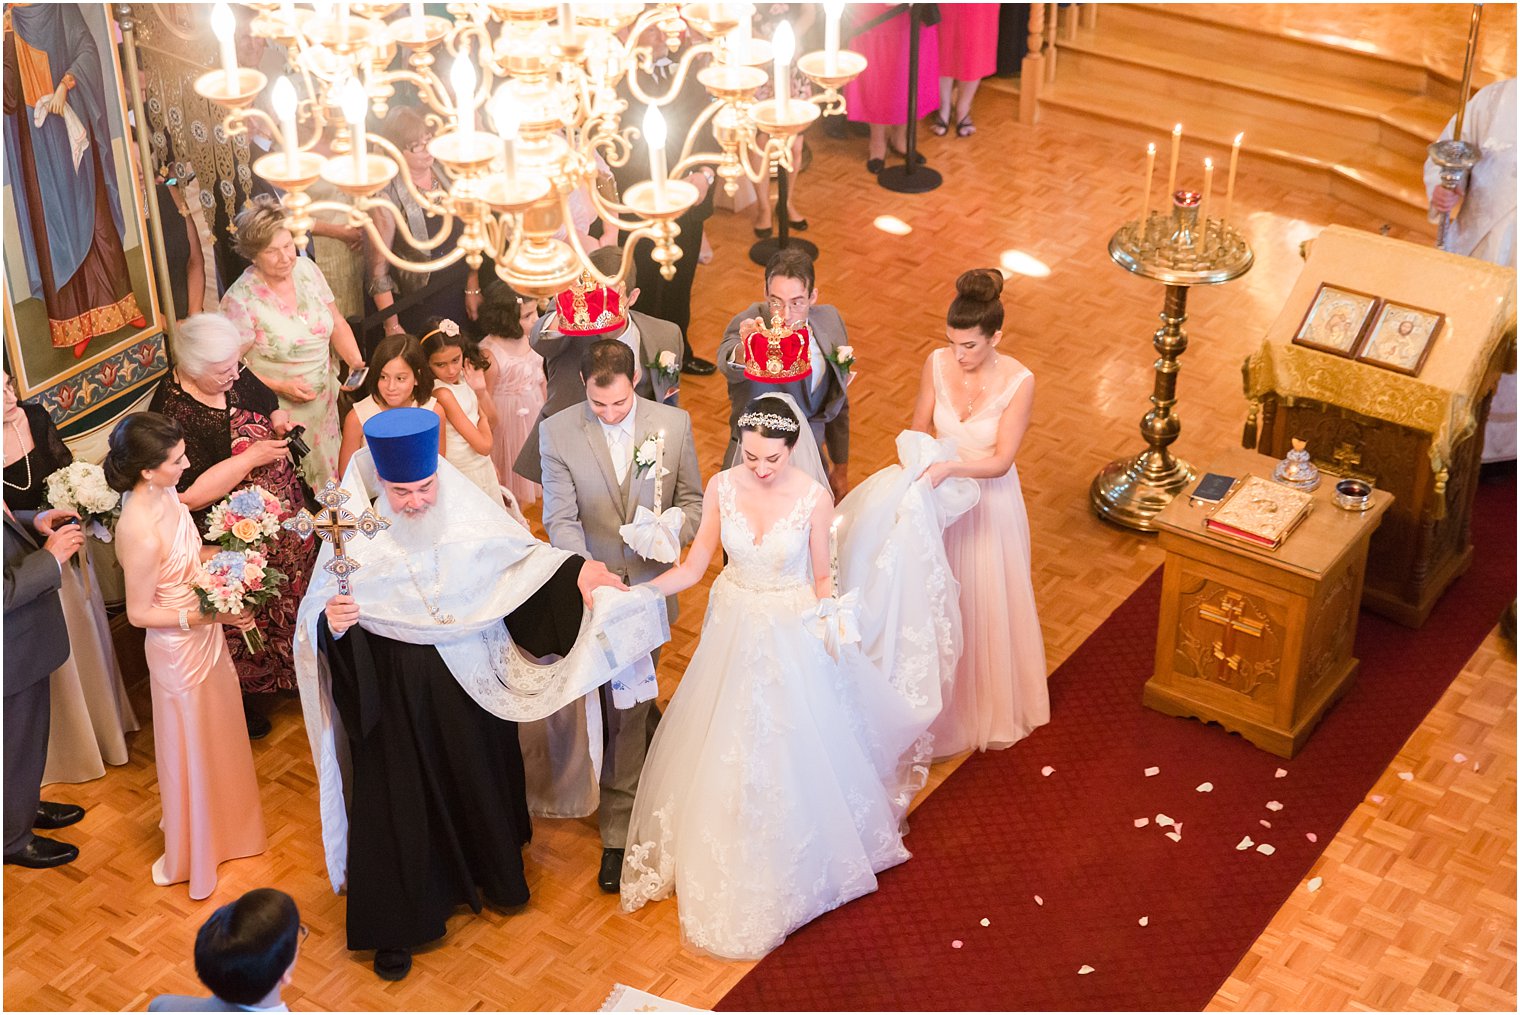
pixel 1175 251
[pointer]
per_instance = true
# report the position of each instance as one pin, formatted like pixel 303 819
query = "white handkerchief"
pixel 635 684
pixel 655 537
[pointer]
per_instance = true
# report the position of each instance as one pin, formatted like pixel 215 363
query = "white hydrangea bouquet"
pixel 246 519
pixel 82 487
pixel 235 580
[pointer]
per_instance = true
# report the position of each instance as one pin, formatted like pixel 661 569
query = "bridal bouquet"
pixel 235 580
pixel 246 519
pixel 82 487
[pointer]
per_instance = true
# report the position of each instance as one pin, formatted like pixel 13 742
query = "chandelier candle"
pixel 504 115
pixel 462 78
pixel 833 9
pixel 783 42
pixel 1229 187
pixel 1171 174
pixel 742 35
pixel 284 100
pixel 414 9
pixel 1203 205
pixel 654 136
pixel 567 25
pixel 223 25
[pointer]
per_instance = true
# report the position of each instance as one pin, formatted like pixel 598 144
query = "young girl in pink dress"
pixel 515 382
pixel 206 782
pixel 982 400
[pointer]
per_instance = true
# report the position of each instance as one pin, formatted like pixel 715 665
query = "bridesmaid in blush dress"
pixel 982 400
pixel 206 782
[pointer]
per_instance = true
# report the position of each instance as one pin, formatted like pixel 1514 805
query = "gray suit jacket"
pixel 562 367
pixel 585 505
pixel 36 640
pixel 184 1002
pixel 830 417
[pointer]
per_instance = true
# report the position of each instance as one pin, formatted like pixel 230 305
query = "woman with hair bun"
pixel 206 782
pixel 982 399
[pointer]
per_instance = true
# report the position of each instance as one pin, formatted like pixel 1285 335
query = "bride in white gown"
pixel 773 790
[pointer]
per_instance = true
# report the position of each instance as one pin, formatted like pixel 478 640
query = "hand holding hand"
pixel 46 522
pixel 64 543
pixel 342 613
pixel 594 575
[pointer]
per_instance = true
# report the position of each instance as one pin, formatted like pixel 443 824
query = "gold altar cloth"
pixel 1477 298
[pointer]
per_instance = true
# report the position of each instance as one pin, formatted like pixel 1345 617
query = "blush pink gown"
pixel 206 781
pixel 999 693
pixel 519 393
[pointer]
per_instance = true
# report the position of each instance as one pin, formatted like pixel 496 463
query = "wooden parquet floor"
pixel 99 934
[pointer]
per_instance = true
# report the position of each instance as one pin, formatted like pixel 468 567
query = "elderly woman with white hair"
pixel 234 437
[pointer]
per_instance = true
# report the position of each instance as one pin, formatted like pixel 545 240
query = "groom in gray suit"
pixel 822 395
pixel 557 337
pixel 593 484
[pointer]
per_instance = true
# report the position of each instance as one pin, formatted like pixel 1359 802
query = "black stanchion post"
pixel 909 178
pixel 765 249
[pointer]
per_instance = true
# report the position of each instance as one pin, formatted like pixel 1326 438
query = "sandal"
pixel 965 128
pixel 938 125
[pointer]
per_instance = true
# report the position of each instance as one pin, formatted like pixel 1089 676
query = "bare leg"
pixel 941 125
pixel 877 148
pixel 963 107
pixel 762 209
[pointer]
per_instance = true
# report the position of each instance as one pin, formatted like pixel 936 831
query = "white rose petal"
pixel 1282 772
pixel 1460 759
pixel 1039 901
pixel 1245 843
pixel 1085 970
pixel 986 922
pixel 1163 820
pixel 1145 921
pixel 1142 822
pixel 1314 884
pixel 1266 849
pixel 1406 776
pixel 1174 836
pixel 1273 805
pixel 1046 771
pixel 1153 770
pixel 1265 823
pixel 1311 836
pixel 1205 787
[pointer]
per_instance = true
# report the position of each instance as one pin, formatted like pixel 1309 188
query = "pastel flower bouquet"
pixel 235 580
pixel 82 487
pixel 246 519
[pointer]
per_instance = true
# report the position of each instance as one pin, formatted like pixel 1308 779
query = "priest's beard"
pixel 419 532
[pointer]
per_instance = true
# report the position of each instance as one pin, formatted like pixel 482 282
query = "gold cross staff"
pixel 335 524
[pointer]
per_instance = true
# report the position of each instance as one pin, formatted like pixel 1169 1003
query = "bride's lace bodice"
pixel 781 560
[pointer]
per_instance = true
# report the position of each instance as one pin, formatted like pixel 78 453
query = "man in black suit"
pixel 38 545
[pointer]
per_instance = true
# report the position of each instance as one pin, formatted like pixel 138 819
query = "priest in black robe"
pixel 450 604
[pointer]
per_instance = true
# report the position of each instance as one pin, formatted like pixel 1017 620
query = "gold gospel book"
pixel 1260 512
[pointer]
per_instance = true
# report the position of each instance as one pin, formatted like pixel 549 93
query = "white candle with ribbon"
pixel 659 472
pixel 355 108
pixel 834 556
pixel 1229 187
pixel 783 43
pixel 283 98
pixel 654 136
pixel 833 10
pixel 462 78
pixel 1171 173
pixel 1150 173
pixel 224 27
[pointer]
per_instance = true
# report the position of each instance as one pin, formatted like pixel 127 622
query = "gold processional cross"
pixel 335 524
pixel 1227 615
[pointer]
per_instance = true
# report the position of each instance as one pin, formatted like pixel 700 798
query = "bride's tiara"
pixel 768 421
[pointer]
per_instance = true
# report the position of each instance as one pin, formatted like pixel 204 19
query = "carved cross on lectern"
pixel 1227 615
pixel 335 524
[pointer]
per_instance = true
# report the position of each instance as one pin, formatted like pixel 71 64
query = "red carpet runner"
pixel 998 834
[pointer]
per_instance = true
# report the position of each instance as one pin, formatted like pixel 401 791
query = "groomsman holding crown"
pixel 599 460
pixel 813 365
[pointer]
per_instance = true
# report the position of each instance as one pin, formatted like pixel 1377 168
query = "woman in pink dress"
pixel 879 96
pixel 514 381
pixel 968 36
pixel 206 781
pixel 982 399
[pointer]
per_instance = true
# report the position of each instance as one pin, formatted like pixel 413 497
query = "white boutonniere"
pixel 667 365
pixel 843 356
pixel 647 453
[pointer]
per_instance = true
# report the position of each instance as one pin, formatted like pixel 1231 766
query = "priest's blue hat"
pixel 403 444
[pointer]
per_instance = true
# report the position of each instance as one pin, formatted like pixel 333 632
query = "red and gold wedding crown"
pixel 776 353
pixel 587 308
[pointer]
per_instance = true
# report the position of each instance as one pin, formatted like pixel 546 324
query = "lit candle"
pixel 504 115
pixel 355 107
pixel 567 25
pixel 832 10
pixel 834 555
pixel 1203 205
pixel 1171 173
pixel 284 100
pixel 659 473
pixel 462 78
pixel 1229 187
pixel 654 136
pixel 1150 172
pixel 224 25
pixel 783 42
pixel 415 9
pixel 742 35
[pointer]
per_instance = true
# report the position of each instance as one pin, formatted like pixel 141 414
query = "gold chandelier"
pixel 547 76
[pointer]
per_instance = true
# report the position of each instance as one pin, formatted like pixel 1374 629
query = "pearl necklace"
pixel 438 615
pixel 27 458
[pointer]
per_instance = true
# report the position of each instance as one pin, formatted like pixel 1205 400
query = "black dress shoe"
pixel 41 853
pixel 697 366
pixel 51 815
pixel 874 166
pixel 918 157
pixel 393 963
pixel 258 723
pixel 611 874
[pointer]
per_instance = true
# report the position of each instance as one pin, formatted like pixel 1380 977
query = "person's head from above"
pixel 403 444
pixel 407 129
pixel 448 349
pixel 609 370
pixel 245 952
pixel 974 323
pixel 207 351
pixel 609 261
pixel 768 431
pixel 402 376
pixel 502 312
pixel 146 448
pixel 263 239
pixel 789 287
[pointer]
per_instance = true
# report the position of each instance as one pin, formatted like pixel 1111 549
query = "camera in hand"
pixel 297 447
